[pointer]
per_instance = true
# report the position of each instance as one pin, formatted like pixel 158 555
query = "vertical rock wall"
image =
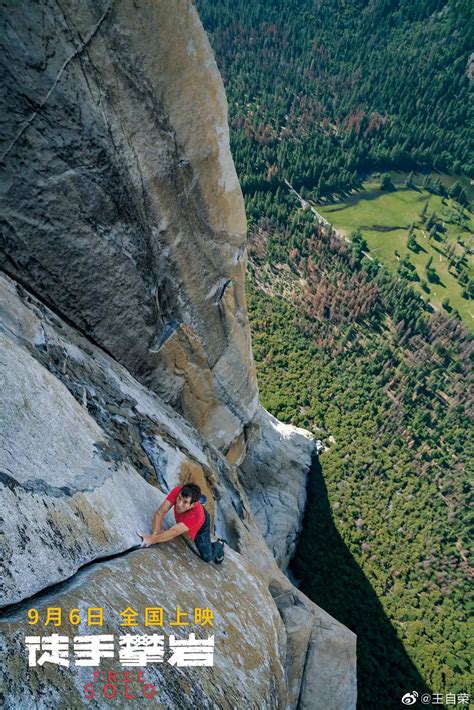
pixel 122 208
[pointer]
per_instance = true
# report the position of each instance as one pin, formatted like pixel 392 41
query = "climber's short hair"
pixel 191 490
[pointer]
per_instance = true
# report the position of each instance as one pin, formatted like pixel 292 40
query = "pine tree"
pixel 423 212
pixel 432 219
pixel 412 243
pixel 454 190
pixel 438 186
pixel 462 198
pixel 386 182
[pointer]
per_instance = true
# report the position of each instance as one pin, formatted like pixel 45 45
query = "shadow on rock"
pixel 332 578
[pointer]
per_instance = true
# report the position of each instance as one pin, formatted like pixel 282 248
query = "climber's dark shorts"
pixel 207 549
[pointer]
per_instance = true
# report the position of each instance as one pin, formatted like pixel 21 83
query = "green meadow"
pixel 384 219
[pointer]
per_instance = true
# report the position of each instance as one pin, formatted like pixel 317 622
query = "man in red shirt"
pixel 191 519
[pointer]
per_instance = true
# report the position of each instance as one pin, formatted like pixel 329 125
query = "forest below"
pixel 322 94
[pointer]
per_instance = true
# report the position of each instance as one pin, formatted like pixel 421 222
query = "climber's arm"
pixel 174 531
pixel 159 515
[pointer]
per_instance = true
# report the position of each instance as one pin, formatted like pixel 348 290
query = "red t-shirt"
pixel 193 519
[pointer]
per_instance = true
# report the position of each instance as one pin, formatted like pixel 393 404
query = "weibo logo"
pixel 410 698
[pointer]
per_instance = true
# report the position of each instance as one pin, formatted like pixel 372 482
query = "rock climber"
pixel 192 519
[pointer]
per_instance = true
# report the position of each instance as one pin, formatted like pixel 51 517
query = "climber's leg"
pixel 209 551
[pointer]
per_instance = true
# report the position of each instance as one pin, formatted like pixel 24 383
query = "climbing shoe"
pixel 219 558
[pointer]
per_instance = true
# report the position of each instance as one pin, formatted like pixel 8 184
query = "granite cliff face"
pixel 126 362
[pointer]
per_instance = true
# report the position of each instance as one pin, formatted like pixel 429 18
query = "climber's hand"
pixel 147 540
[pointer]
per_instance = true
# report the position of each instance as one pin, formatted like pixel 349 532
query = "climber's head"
pixel 187 498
